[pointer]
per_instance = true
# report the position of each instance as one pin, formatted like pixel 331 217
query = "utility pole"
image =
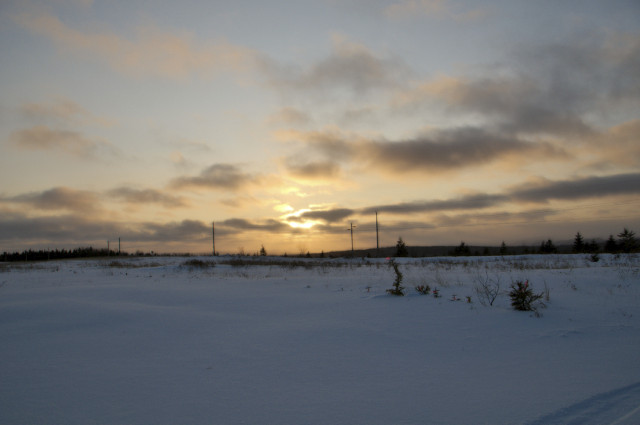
pixel 377 240
pixel 213 237
pixel 351 230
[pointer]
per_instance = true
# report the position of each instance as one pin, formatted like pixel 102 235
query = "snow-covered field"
pixel 154 341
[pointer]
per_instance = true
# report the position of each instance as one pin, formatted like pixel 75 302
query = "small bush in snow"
pixel 523 298
pixel 436 293
pixel 195 263
pixel 423 289
pixel 397 289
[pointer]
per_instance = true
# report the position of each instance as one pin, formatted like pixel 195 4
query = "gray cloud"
pixel 313 170
pixel 182 231
pixel 438 151
pixel 62 111
pixel 146 196
pixel 64 229
pixel 350 65
pixel 216 176
pixel 583 188
pixel 43 138
pixel 463 203
pixel 269 225
pixel 329 216
pixel 496 218
pixel 59 198
pixel 450 149
pixel 564 89
pixel 588 187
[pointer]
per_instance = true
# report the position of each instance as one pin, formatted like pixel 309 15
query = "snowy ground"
pixel 153 341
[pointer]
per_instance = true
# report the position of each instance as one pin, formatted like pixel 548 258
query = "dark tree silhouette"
pixel 627 241
pixel 461 249
pixel 401 248
pixel 578 243
pixel 611 246
pixel 548 247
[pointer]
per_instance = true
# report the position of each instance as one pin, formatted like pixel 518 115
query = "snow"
pixel 151 340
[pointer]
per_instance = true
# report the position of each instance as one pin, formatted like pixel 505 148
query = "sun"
pixel 305 225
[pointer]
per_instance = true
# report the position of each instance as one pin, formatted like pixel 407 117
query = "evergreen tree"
pixel 578 243
pixel 611 246
pixel 263 252
pixel 548 247
pixel 462 249
pixel 503 249
pixel 401 248
pixel 627 242
pixel 592 247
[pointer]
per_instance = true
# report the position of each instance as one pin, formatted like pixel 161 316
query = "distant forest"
pixel 626 242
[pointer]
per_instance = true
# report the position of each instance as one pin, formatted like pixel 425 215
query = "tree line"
pixel 626 242
pixel 59 254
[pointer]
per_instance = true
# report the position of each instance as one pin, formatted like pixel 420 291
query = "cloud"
pixel 146 196
pixel 450 149
pixel 269 225
pixel 331 144
pixel 475 201
pixel 582 188
pixel 313 170
pixel 179 231
pixel 289 116
pixel 439 151
pixel 541 191
pixel 64 111
pixel 567 89
pixel 350 66
pixel 493 218
pixel 73 229
pixel 152 52
pixel 44 138
pixel 513 104
pixel 216 176
pixel 329 216
pixel 578 73
pixel 59 198
pixel 618 146
pixel 411 9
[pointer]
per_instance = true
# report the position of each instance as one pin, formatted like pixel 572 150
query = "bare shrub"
pixel 487 288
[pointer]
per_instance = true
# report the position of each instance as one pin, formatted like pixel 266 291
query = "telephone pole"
pixel 351 230
pixel 213 237
pixel 377 240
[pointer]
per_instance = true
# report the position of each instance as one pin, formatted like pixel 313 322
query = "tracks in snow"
pixel 617 407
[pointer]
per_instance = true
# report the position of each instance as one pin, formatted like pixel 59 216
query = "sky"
pixel 286 122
